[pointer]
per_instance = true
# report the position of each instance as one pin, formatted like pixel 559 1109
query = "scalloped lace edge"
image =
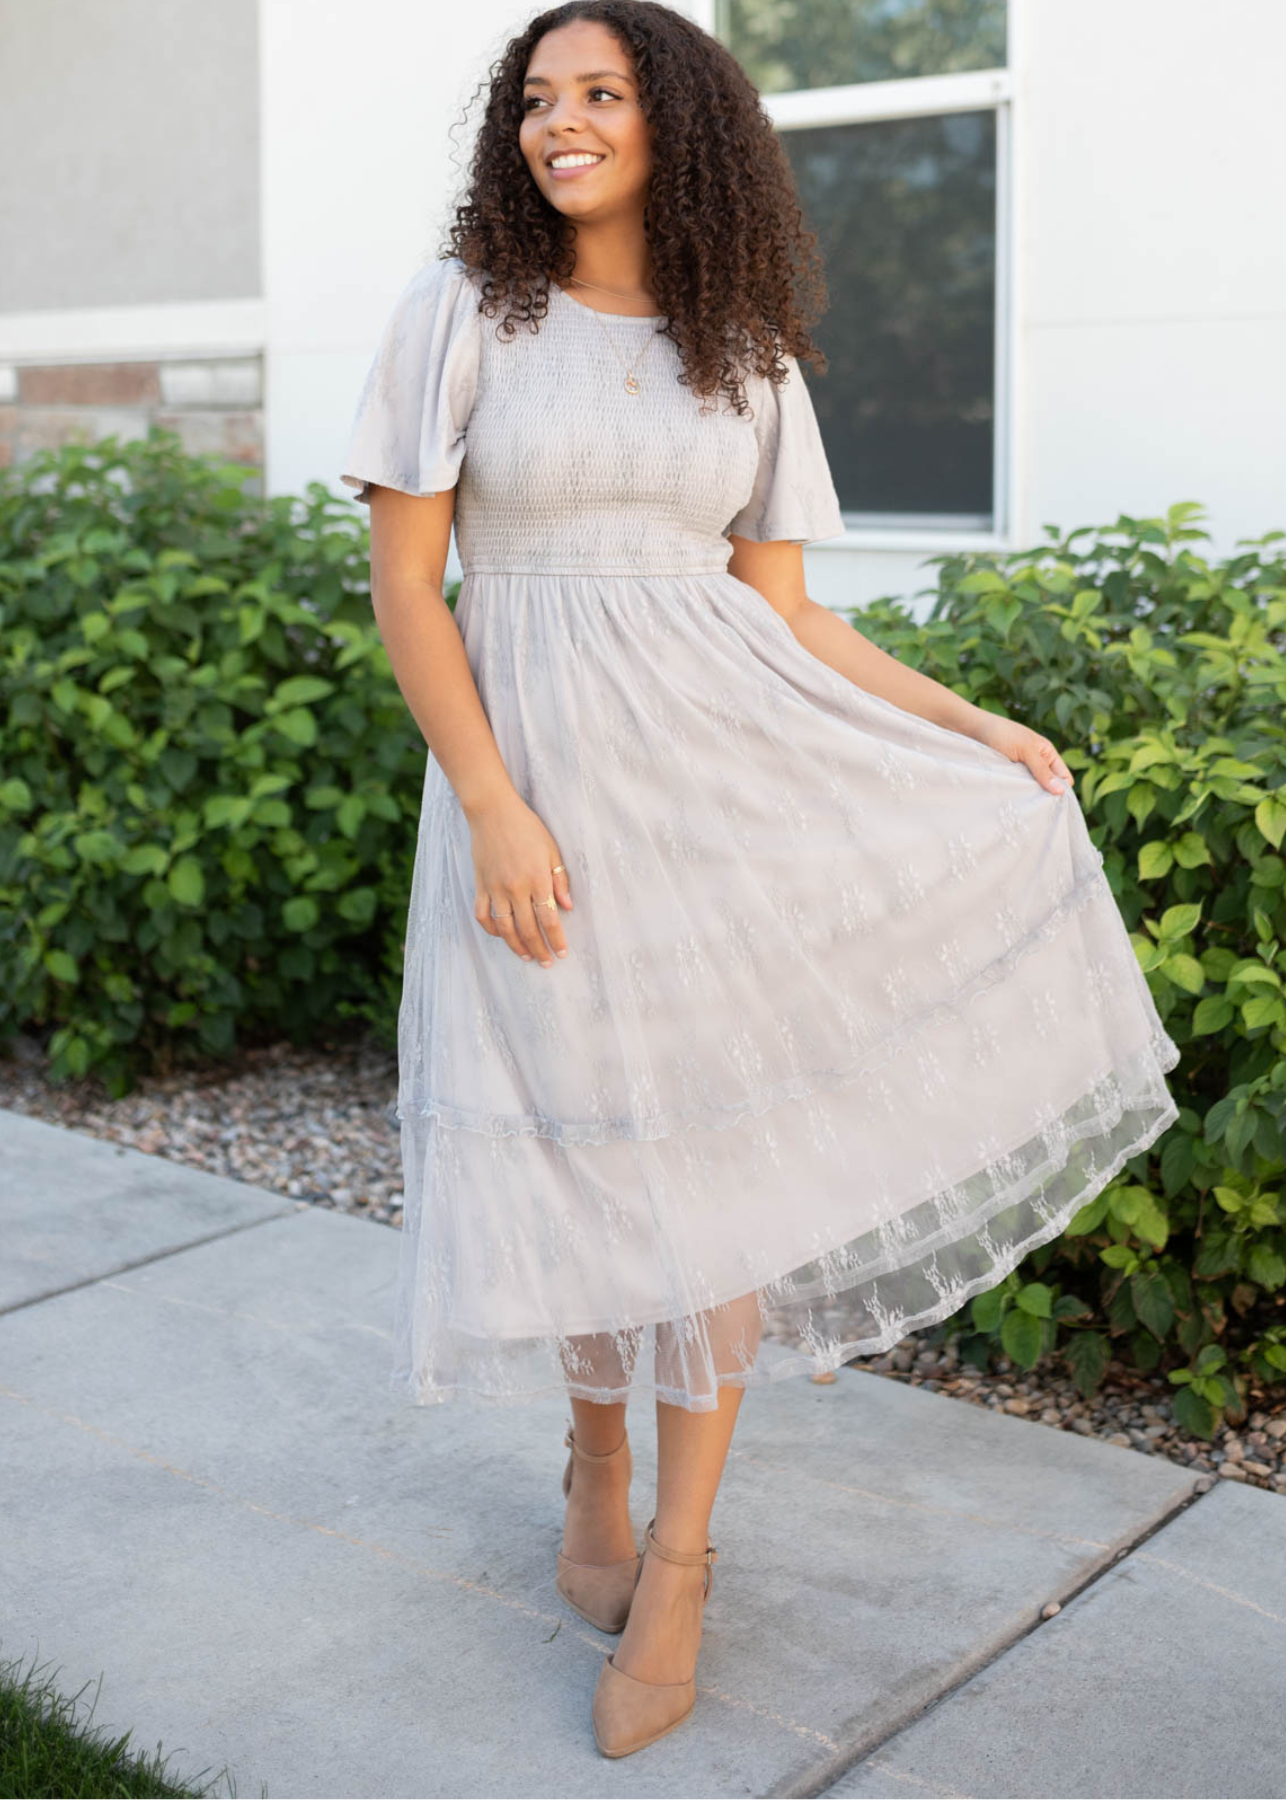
pixel 794 1360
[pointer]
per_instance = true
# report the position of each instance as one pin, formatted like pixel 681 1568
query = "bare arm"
pixel 776 570
pixel 513 852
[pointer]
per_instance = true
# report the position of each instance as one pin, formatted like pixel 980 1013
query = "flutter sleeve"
pixel 413 412
pixel 793 496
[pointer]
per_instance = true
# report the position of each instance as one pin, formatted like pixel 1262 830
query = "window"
pixel 894 114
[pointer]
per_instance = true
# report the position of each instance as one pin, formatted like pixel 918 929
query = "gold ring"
pixel 550 902
pixel 558 869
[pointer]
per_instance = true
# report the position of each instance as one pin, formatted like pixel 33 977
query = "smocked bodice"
pixel 560 469
pixel 567 471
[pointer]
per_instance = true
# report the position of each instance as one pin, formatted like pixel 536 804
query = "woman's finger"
pixel 561 884
pixel 545 908
pixel 529 931
pixel 505 917
pixel 1041 762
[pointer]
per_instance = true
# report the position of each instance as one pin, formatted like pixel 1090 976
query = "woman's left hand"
pixel 1021 744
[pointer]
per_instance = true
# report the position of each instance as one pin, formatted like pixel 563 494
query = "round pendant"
pixel 631 384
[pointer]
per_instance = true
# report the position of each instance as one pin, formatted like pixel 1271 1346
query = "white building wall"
pixel 128 159
pixel 1153 261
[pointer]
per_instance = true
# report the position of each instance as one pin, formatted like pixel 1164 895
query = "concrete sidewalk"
pixel 212 1499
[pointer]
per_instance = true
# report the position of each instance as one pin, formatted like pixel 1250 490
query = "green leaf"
pixel 1141 802
pixel 1212 1014
pixel 1071 1306
pixel 299 726
pixel 186 881
pixel 358 905
pixel 1151 1224
pixel 227 809
pixel 301 690
pixel 1192 850
pixel 1266 1267
pixel 1021 1337
pixel 1153 1304
pixel 350 813
pixel 1155 860
pixel 144 859
pixel 985 1309
pixel 15 795
pixel 1194 1414
pixel 301 913
pixel 1087 1358
pixel 1178 921
pixel 1264 1009
pixel 1035 1298
pixel 61 966
pixel 1088 1219
pixel 1270 816
pixel 1145 1350
pixel 1185 972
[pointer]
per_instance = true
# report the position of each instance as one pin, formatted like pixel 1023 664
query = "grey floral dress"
pixel 850 1020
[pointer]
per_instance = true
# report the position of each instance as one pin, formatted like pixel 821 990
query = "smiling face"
pixel 581 108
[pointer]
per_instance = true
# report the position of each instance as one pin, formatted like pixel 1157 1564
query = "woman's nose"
pixel 564 113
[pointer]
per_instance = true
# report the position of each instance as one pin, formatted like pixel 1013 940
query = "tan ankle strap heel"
pixel 630 1713
pixel 592 1455
pixel 688 1558
pixel 600 1592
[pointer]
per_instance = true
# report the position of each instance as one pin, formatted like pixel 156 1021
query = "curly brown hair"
pixel 735 268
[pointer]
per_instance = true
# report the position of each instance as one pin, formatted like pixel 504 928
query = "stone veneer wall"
pixel 214 403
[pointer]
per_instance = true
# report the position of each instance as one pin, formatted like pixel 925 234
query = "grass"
pixel 47 1749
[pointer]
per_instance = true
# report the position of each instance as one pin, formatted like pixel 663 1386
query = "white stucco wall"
pixel 1153 272
pixel 128 159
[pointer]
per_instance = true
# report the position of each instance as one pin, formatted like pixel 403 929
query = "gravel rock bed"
pixel 317 1124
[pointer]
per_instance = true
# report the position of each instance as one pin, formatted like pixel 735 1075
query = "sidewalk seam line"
pixel 806 1788
pixel 141 1262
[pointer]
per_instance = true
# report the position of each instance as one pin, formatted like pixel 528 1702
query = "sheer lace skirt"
pixel 850 1022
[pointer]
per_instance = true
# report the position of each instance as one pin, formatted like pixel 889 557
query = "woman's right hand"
pixel 514 858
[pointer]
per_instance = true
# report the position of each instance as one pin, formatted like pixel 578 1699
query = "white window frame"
pixel 917 97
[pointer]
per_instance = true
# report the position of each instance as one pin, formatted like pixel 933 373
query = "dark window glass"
pixel 785 44
pixel 904 212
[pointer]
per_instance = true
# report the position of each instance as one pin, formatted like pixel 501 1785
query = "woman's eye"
pixel 533 99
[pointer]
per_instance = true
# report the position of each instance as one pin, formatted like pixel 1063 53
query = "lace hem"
pixel 792 1354
pixel 793 1087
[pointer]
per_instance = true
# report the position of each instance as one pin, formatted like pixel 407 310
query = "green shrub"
pixel 1160 676
pixel 210 788
pixel 208 776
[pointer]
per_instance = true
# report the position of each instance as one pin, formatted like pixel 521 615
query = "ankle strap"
pixel 689 1558
pixel 591 1455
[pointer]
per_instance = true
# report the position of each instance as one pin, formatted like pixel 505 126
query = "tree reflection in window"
pixel 786 44
pixel 904 211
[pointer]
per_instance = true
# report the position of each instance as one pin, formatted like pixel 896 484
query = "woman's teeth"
pixel 580 159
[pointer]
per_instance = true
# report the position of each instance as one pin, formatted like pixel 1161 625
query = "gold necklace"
pixel 632 384
pixel 596 285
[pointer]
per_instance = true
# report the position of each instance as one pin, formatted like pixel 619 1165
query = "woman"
pixel 764 999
